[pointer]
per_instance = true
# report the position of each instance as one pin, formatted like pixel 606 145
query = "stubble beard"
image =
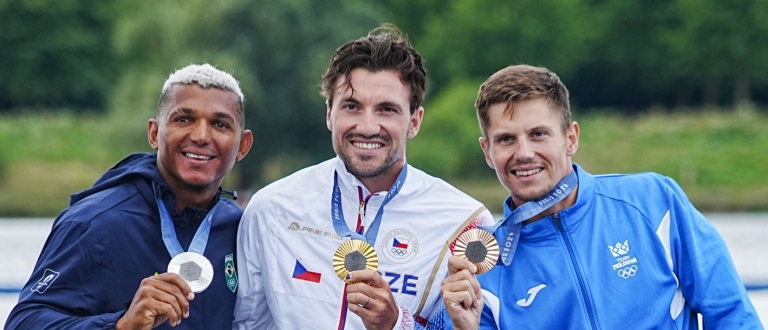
pixel 534 195
pixel 361 168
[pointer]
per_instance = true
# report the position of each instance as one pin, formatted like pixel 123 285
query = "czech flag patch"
pixel 300 272
pixel 400 243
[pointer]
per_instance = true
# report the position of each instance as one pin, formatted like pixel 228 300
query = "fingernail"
pixel 349 276
pixel 186 314
pixel 191 296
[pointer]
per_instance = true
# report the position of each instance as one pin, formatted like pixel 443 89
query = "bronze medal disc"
pixel 354 255
pixel 479 247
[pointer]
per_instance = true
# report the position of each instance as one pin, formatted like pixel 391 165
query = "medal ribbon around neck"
pixel 337 212
pixel 199 241
pixel 507 230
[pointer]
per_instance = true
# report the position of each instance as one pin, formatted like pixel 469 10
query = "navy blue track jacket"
pixel 108 240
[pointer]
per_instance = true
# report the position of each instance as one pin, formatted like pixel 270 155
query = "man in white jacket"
pixel 367 195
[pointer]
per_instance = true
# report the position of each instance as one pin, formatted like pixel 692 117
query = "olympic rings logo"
pixel 399 252
pixel 628 272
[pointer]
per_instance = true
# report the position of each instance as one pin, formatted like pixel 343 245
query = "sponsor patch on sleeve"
pixel 48 277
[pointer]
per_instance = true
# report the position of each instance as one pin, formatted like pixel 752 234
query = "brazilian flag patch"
pixel 230 272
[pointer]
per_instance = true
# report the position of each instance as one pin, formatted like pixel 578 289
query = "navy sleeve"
pixel 62 291
pixel 708 278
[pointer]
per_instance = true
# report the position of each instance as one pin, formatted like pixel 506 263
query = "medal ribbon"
pixel 507 230
pixel 199 241
pixel 337 212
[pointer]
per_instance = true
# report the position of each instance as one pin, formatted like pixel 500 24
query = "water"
pixel 745 234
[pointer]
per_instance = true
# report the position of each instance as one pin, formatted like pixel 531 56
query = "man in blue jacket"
pixel 104 264
pixel 580 251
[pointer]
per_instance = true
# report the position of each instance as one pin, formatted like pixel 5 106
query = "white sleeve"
pixel 404 320
pixel 251 309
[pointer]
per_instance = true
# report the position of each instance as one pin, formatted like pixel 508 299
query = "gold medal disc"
pixel 479 247
pixel 354 255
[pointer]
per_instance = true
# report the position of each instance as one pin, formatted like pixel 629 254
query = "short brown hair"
pixel 385 48
pixel 518 83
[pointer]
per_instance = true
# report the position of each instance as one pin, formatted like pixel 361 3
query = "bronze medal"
pixel 479 247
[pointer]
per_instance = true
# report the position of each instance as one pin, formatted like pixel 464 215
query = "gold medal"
pixel 354 255
pixel 479 247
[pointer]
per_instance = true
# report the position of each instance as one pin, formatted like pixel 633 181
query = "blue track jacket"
pixel 632 253
pixel 107 241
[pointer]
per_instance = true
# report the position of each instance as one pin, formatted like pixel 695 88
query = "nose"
pixel 368 124
pixel 201 132
pixel 524 151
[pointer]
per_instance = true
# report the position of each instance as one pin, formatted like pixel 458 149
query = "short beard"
pixel 363 172
pixel 534 196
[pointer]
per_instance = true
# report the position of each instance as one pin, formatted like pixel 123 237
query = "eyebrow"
pixel 539 128
pixel 351 99
pixel 390 104
pixel 217 115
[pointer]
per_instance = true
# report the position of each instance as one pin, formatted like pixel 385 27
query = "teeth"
pixel 197 156
pixel 528 172
pixel 369 146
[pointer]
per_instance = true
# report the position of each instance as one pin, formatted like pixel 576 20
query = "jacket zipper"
pixel 572 255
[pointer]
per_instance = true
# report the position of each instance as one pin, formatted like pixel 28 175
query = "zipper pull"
pixel 559 225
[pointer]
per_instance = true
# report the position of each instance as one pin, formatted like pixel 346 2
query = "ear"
pixel 246 141
pixel 415 124
pixel 573 138
pixel 152 131
pixel 486 152
pixel 328 122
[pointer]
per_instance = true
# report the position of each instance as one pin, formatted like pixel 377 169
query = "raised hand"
pixel 159 298
pixel 462 295
pixel 370 297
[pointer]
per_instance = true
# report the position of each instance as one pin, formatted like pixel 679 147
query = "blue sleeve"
pixel 62 292
pixel 487 322
pixel 708 279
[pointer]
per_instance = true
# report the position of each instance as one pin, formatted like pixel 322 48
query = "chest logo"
pixel 310 231
pixel 626 265
pixel 229 272
pixel 400 246
pixel 531 295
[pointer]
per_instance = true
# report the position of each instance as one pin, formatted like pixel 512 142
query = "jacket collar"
pixel 570 218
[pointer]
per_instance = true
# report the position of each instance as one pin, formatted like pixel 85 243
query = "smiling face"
pixel 198 138
pixel 370 124
pixel 528 148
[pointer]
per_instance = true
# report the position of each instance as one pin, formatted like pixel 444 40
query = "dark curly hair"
pixel 385 48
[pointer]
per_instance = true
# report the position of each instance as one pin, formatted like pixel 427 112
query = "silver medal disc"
pixel 193 268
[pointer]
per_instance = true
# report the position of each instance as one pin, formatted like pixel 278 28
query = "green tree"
pixel 53 54
pixel 719 44
pixel 474 38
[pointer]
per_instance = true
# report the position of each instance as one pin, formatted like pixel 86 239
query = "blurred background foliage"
pixel 673 86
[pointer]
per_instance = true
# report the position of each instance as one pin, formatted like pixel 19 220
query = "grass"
pixel 48 156
pixel 720 158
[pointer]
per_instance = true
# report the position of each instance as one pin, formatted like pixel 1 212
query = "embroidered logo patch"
pixel 400 245
pixel 626 265
pixel 619 249
pixel 229 272
pixel 48 277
